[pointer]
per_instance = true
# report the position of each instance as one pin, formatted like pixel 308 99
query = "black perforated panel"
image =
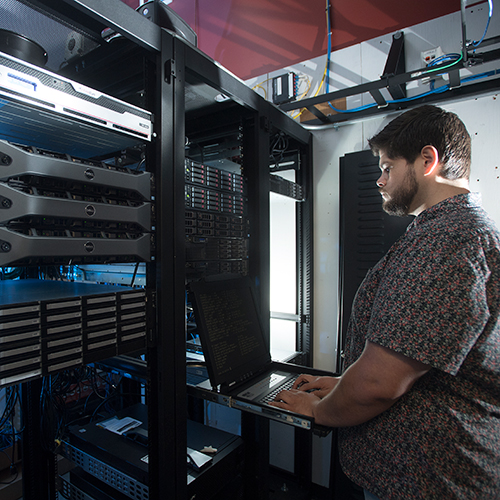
pixel 19 17
pixel 366 231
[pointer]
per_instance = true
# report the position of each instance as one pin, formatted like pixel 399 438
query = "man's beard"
pixel 399 203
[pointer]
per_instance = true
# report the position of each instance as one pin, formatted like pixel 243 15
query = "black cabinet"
pixel 109 191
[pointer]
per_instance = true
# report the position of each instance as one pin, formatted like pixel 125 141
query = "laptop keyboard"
pixel 282 387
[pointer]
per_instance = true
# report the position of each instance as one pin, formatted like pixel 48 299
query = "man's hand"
pixel 320 385
pixel 307 391
pixel 370 386
pixel 297 401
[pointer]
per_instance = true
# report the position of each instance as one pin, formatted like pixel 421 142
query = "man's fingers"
pixel 301 380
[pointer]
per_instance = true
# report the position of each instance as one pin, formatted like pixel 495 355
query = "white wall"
pixel 482 118
pixel 362 63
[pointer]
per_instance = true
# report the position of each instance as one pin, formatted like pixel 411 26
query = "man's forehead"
pixel 383 158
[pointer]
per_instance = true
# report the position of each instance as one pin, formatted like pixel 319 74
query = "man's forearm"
pixel 347 405
pixel 368 387
pixel 371 385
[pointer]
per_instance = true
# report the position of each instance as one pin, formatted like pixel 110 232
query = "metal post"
pixel 464 31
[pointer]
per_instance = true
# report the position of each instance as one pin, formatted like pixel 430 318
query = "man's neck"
pixel 441 190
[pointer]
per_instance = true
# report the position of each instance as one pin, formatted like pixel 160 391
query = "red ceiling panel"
pixel 251 38
pixel 132 3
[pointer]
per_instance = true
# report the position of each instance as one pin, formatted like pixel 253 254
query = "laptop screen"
pixel 230 330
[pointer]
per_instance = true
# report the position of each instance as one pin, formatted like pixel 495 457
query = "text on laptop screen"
pixel 230 330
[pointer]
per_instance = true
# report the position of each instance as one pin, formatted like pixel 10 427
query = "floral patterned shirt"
pixel 435 298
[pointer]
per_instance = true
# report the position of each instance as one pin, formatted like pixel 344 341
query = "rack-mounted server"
pixel 216 224
pixel 55 207
pixel 48 326
pixel 42 108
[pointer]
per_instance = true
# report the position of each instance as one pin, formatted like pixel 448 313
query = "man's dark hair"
pixel 406 135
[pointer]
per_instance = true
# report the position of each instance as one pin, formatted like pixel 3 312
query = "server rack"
pixel 171 71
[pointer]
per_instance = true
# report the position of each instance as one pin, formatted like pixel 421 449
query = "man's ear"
pixel 430 156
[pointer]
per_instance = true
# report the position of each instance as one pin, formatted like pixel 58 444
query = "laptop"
pixel 236 354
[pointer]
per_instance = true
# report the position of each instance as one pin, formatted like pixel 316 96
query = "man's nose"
pixel 381 181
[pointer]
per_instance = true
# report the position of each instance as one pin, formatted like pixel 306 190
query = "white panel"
pixel 283 266
pixel 482 118
pixel 326 251
pixel 283 254
pixel 283 338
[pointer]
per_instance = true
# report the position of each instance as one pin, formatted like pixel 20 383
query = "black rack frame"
pixel 170 63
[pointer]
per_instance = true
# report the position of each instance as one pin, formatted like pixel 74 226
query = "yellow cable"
pixel 260 87
pixel 258 84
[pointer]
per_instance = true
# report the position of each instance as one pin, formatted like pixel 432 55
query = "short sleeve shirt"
pixel 435 298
